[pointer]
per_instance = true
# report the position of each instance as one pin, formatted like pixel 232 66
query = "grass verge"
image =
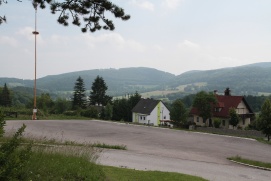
pixel 263 141
pixel 47 163
pixel 123 174
pixel 250 162
pixel 103 145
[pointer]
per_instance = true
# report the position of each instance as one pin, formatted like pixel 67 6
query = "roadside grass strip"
pixel 251 163
pixel 103 145
pixel 124 174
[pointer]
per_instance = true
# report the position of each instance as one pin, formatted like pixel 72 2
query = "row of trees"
pixel 97 94
pixel 100 105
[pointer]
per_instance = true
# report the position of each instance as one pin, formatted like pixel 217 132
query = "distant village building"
pixel 150 111
pixel 221 110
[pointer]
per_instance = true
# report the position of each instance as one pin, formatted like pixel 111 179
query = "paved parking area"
pixel 151 148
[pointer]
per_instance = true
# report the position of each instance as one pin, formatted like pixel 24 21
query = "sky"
pixel 174 36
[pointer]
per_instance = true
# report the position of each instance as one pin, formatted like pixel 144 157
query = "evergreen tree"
pixel 264 120
pixel 98 92
pixel 92 12
pixel 178 113
pixel 5 98
pixel 121 110
pixel 79 97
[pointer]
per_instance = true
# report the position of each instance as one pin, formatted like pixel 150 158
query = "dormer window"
pixel 217 109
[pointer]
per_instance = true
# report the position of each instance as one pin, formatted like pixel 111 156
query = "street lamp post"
pixel 34 117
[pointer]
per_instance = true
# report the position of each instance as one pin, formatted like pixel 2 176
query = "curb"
pixel 253 166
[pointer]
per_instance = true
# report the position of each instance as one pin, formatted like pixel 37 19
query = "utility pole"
pixel 34 117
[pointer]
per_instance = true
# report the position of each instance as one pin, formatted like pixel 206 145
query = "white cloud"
pixel 27 32
pixel 112 41
pixel 5 40
pixel 171 4
pixel 143 4
pixel 188 44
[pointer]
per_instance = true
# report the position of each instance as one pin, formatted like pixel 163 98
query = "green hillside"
pixel 250 79
pixel 253 79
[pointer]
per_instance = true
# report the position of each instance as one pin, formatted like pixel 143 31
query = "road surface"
pixel 152 148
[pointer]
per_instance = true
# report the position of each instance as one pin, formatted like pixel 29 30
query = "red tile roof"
pixel 225 103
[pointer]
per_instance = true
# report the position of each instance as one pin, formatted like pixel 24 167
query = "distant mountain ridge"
pixel 247 79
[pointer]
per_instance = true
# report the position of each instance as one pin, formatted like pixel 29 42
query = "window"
pixel 223 122
pixel 144 118
pixel 165 117
pixel 197 119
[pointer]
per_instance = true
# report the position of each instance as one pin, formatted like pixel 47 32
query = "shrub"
pixel 90 113
pixel 13 158
pixel 217 122
pixel 70 113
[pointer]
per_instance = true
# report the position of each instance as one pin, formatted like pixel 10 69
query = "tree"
pixel 234 117
pixel 5 98
pixel 121 110
pixel 97 93
pixel 91 12
pixel 44 102
pixel 204 103
pixel 61 105
pixel 79 97
pixel 132 101
pixel 178 113
pixel 264 120
pixel 107 112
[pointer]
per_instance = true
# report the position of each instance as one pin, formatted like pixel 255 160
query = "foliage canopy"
pixel 91 12
pixel 204 102
pixel 264 120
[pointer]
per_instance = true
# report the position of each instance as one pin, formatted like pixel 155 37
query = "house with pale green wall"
pixel 150 111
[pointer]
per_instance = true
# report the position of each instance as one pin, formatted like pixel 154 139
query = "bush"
pixel 217 122
pixel 13 158
pixel 90 113
pixel 70 113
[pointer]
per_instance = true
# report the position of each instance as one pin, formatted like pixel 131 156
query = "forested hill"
pixel 250 79
pixel 124 80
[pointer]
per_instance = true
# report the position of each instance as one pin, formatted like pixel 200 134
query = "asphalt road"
pixel 151 148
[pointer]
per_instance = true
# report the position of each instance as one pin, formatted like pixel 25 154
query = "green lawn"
pixel 50 164
pixel 251 162
pixel 123 174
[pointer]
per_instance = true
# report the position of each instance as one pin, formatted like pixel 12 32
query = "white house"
pixel 150 111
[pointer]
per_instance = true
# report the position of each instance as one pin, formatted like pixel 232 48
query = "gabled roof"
pixel 145 106
pixel 225 103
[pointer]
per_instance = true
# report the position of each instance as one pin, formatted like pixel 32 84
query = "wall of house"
pixel 198 120
pixel 140 118
pixel 153 117
pixel 242 108
pixel 165 114
pixel 135 117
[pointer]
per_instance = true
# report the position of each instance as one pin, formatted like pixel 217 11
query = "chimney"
pixel 227 92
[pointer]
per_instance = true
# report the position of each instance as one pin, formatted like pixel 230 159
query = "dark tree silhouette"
pixel 5 98
pixel 79 97
pixel 90 12
pixel 98 93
